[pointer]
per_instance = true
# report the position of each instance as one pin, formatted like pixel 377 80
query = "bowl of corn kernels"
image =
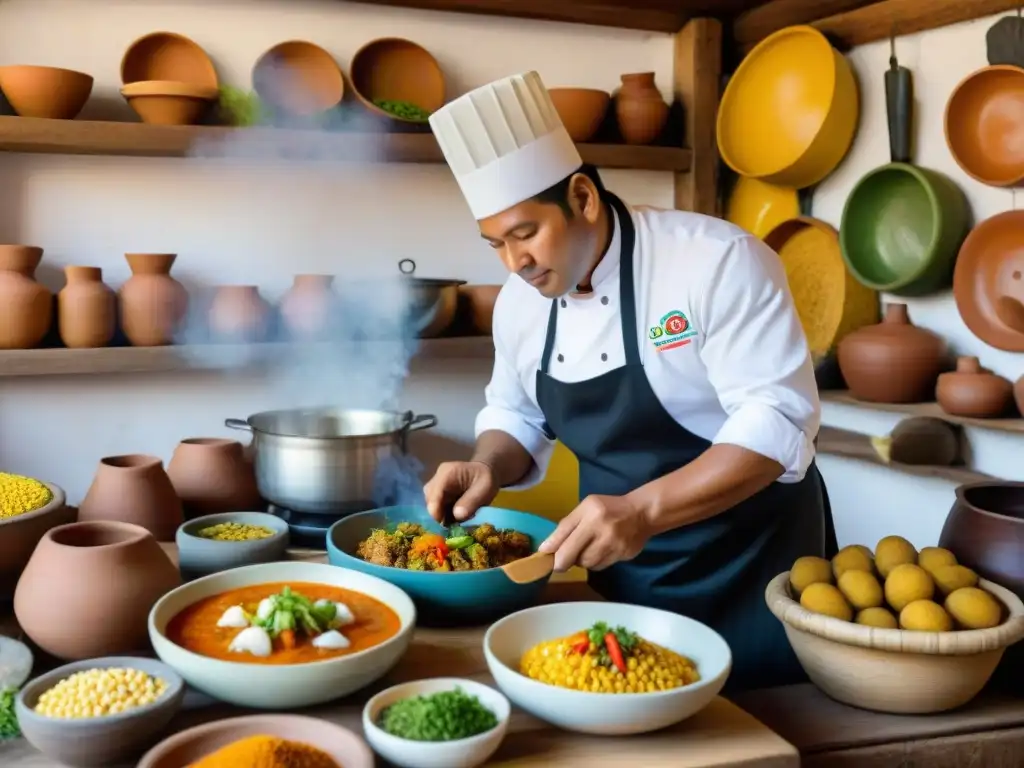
pixel 99 712
pixel 28 509
pixel 228 540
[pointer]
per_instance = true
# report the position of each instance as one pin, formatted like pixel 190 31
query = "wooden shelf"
pixel 853 445
pixel 84 137
pixel 209 357
pixel 925 409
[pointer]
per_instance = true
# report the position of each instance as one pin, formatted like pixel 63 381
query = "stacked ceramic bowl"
pixel 168 79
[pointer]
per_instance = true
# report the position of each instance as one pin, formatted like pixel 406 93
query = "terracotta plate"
pixel 183 749
pixel 989 281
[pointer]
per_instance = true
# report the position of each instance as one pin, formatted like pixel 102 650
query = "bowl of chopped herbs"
pixel 397 79
pixel 442 722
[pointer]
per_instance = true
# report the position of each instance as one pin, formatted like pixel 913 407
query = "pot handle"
pixel 237 424
pixel 416 423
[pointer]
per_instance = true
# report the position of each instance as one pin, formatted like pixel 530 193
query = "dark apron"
pixel 715 570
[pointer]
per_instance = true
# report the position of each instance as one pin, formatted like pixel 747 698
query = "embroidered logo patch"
pixel 673 330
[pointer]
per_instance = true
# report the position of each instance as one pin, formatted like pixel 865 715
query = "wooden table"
pixel 722 736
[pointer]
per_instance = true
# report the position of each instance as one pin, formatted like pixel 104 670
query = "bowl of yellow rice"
pixel 607 668
pixel 28 509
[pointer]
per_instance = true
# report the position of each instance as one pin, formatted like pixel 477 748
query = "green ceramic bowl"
pixel 901 229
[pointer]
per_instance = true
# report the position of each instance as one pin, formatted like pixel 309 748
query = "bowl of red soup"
pixel 282 635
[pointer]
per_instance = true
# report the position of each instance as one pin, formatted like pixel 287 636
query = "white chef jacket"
pixel 740 372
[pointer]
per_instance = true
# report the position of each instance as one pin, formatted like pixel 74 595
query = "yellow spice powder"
pixel 19 495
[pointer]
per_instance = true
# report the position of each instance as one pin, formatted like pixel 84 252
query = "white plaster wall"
pixel 871 502
pixel 230 223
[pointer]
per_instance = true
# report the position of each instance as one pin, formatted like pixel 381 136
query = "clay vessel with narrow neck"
pixel 308 307
pixel 133 489
pixel 1018 394
pixel 86 309
pixel 893 361
pixel 974 392
pixel 153 304
pixel 640 109
pixel 88 588
pixel 211 475
pixel 239 314
pixel 26 307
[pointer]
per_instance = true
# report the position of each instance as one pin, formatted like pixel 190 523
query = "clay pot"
pixel 211 475
pixel 88 588
pixel 47 92
pixel 308 307
pixel 161 102
pixel 973 391
pixel 640 109
pixel 985 530
pixel 298 78
pixel 167 56
pixel 582 110
pixel 239 313
pixel 86 309
pixel 479 301
pixel 133 489
pixel 892 361
pixel 20 534
pixel 25 305
pixel 153 304
pixel 1018 394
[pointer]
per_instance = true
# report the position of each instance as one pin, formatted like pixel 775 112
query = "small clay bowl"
pixel 395 69
pixel 50 92
pixel 983 124
pixel 582 110
pixel 198 556
pixel 165 102
pixel 298 78
pixel 20 534
pixel 193 744
pixel 97 742
pixel 167 56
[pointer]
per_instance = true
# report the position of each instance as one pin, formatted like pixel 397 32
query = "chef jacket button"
pixel 604 299
pixel 561 359
pixel 604 357
pixel 563 303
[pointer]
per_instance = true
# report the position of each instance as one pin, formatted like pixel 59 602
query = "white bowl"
pixel 462 753
pixel 608 714
pixel 285 686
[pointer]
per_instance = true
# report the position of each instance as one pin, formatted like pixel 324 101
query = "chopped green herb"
pixel 612 643
pixel 9 728
pixel 403 109
pixel 292 611
pixel 442 716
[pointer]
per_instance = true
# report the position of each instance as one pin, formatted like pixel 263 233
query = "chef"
pixel 663 349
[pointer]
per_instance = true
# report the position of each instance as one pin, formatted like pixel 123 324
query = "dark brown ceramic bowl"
pixel 983 124
pixel 582 110
pixel 299 78
pixel 183 749
pixel 988 282
pixel 395 69
pixel 20 534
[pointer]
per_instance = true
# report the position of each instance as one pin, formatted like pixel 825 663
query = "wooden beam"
pixel 771 16
pixel 880 20
pixel 697 73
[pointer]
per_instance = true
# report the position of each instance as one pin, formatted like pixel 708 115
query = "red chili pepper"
pixel 581 647
pixel 442 552
pixel 611 643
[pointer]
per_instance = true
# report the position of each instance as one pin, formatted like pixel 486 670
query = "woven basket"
pixel 895 670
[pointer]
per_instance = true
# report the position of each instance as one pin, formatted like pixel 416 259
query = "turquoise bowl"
pixel 444 599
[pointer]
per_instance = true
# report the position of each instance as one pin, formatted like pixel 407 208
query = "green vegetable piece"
pixel 459 542
pixel 443 716
pixel 9 728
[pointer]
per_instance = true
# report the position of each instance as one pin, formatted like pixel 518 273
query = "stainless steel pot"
pixel 434 301
pixel 325 460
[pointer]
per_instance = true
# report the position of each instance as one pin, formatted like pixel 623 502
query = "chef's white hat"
pixel 505 143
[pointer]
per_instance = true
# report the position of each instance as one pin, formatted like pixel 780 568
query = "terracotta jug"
pixel 479 303
pixel 307 309
pixel 86 309
pixel 153 304
pixel 26 307
pixel 133 489
pixel 1018 394
pixel 640 109
pixel 973 391
pixel 239 313
pixel 211 475
pixel 88 588
pixel 893 361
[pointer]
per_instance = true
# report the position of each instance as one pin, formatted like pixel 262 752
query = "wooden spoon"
pixel 1011 312
pixel 530 568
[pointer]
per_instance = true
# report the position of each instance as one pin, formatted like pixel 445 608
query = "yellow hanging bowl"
pixel 789 113
pixel 830 301
pixel 759 207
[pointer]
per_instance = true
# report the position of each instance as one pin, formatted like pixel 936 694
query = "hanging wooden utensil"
pixel 899 100
pixel 1004 41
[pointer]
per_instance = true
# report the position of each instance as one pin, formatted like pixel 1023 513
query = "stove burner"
pixel 308 530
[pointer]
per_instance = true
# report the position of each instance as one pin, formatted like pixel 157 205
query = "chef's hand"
pixel 600 532
pixel 463 487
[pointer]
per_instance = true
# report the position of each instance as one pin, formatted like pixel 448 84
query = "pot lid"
pixel 988 282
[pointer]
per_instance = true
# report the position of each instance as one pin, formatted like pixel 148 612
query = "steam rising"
pixel 361 357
